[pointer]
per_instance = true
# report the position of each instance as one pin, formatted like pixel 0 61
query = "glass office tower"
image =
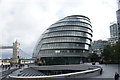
pixel 118 22
pixel 65 42
pixel 118 19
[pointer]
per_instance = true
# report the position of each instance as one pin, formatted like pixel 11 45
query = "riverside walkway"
pixel 108 73
pixel 108 70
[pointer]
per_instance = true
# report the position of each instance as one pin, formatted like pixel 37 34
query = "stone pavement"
pixel 64 79
pixel 109 70
pixel 5 72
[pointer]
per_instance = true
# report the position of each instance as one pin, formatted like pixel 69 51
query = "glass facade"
pixel 65 41
pixel 118 22
pixel 118 19
pixel 113 30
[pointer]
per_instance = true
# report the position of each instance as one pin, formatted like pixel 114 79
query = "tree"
pixel 117 52
pixel 106 55
pixel 111 54
pixel 93 57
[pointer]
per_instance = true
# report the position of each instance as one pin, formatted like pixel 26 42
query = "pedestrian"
pixel 16 65
pixel 3 66
pixel 116 77
pixel 8 67
pixel 27 65
pixel 19 66
pixel 101 70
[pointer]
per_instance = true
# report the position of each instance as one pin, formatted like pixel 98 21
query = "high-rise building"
pixel 118 19
pixel 118 4
pixel 113 30
pixel 113 33
pixel 65 42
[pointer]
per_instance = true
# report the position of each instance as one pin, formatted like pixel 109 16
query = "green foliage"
pixel 93 55
pixel 111 54
pixel 107 53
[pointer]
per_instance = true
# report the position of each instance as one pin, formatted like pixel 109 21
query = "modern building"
pixel 98 46
pixel 118 4
pixel 113 30
pixel 118 19
pixel 113 33
pixel 113 40
pixel 65 42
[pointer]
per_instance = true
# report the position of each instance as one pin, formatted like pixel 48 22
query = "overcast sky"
pixel 26 20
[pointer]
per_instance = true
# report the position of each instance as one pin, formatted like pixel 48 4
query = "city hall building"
pixel 65 42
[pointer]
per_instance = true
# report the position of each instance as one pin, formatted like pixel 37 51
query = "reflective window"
pixel 64 45
pixel 77 18
pixel 66 39
pixel 69 28
pixel 60 51
pixel 74 19
pixel 67 33
pixel 72 23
